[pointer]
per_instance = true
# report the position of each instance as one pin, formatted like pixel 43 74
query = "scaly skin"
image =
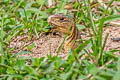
pixel 62 23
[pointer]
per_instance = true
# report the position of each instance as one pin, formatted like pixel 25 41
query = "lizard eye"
pixel 61 19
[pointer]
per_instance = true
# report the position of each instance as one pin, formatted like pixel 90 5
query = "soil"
pixel 48 44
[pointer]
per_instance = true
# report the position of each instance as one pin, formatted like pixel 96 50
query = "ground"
pixel 48 44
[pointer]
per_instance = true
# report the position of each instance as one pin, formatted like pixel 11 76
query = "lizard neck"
pixel 72 37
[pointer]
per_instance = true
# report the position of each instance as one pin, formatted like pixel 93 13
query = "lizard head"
pixel 60 22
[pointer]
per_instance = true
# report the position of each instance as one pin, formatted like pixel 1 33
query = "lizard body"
pixel 62 23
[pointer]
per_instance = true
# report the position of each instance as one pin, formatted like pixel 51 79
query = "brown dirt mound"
pixel 48 44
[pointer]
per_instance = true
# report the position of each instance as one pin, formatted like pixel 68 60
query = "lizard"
pixel 62 23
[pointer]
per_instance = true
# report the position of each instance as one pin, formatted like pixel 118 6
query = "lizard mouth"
pixel 50 23
pixel 58 28
pixel 54 25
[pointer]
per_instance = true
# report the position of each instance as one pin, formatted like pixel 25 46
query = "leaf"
pixel 86 48
pixel 50 68
pixel 66 76
pixel 111 18
pixel 92 69
pixel 22 52
pixel 37 62
pixel 40 2
pixel 30 70
pixel 43 14
pixel 9 38
pixel 12 31
pixel 10 71
pixel 62 11
pixel 116 76
pixel 20 62
pixel 50 10
pixel 57 64
pixel 2 34
pixel 32 10
pixel 110 53
pixel 81 46
pixel 99 78
pixel 30 47
pixel 80 27
pixel 71 57
pixel 118 64
pixel 11 77
pixel 82 77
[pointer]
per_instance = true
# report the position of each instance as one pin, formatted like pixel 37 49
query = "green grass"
pixel 18 15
